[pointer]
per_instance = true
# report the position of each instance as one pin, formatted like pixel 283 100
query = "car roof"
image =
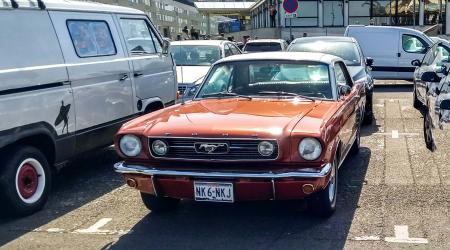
pixel 199 42
pixel 325 39
pixel 293 56
pixel 382 27
pixel 266 41
pixel 68 5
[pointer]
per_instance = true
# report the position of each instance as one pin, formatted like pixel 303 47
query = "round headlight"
pixel 310 149
pixel 159 147
pixel 265 148
pixel 130 145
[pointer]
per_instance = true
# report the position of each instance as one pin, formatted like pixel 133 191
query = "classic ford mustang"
pixel 269 126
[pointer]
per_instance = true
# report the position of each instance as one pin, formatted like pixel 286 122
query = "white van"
pixel 392 49
pixel 71 73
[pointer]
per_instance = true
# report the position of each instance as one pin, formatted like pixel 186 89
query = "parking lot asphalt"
pixel 394 194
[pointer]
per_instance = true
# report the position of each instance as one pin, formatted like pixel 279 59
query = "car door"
pixel 439 118
pixel 350 119
pixel 153 71
pixel 98 74
pixel 411 47
pixel 426 65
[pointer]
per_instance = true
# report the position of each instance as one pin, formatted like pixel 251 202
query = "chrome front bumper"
pixel 124 168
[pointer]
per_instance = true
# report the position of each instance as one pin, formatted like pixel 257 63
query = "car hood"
pixel 264 118
pixel 357 72
pixel 189 74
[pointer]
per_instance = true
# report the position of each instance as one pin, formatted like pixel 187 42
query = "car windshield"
pixel 284 79
pixel 195 55
pixel 262 46
pixel 345 50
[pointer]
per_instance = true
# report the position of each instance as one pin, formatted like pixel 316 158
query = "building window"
pixel 333 13
pixel 307 15
pixel 359 12
pixel 434 10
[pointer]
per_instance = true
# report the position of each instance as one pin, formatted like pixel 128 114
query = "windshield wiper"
pixel 224 93
pixel 283 93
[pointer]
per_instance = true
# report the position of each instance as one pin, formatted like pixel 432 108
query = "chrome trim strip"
pixel 206 138
pixel 124 168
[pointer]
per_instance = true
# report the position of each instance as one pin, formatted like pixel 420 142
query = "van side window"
pixel 138 36
pixel 91 38
pixel 413 44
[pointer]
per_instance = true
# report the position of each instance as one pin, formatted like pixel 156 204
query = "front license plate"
pixel 213 191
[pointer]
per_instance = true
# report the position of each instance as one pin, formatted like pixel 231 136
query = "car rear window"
pixel 261 46
pixel 91 38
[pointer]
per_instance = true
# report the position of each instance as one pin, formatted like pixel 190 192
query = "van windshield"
pixel 345 50
pixel 195 55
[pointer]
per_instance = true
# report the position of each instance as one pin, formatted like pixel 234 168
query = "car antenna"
pixel 14 4
pixel 41 4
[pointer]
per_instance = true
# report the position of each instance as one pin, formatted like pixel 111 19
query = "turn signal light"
pixel 308 188
pixel 131 183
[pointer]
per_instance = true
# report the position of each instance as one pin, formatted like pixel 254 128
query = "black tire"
pixel 354 150
pixel 322 204
pixel 368 114
pixel 427 134
pixel 416 103
pixel 159 204
pixel 25 169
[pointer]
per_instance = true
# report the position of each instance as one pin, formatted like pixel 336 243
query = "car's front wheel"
pixel 427 134
pixel 159 204
pixel 323 203
pixel 25 180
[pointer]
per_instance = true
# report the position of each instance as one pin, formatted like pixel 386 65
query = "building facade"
pixel 170 16
pixel 340 13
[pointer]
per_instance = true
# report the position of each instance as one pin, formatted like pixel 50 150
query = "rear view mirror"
pixel 369 61
pixel 445 104
pixel 416 63
pixel 430 76
pixel 344 89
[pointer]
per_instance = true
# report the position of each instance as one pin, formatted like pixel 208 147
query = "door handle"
pixel 399 54
pixel 124 77
pixel 137 74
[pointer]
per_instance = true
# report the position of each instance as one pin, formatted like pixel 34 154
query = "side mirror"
pixel 416 63
pixel 369 61
pixel 344 89
pixel 165 47
pixel 430 76
pixel 445 104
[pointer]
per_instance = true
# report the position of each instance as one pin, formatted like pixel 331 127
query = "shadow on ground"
pixel 79 183
pixel 257 225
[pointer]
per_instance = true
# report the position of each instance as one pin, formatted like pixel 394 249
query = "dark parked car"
pixel 433 61
pixel 348 49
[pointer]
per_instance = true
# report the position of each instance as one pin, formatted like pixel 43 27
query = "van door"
pixel 99 74
pixel 153 71
pixel 410 47
pixel 381 45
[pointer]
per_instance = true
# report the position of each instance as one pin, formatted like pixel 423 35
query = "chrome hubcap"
pixel 332 185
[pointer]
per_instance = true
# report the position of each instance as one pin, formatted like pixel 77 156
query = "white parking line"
pixel 367 238
pixel 395 134
pixel 95 229
pixel 402 236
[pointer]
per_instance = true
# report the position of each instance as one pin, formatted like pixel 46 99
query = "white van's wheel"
pixel 25 181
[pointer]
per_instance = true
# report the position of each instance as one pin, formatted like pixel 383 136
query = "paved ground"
pixel 392 195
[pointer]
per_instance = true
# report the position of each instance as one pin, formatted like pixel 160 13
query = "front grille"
pixel 238 149
pixel 181 89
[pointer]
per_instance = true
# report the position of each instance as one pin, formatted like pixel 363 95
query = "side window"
pixel 413 44
pixel 138 36
pixel 228 51
pixel 429 57
pixel 234 50
pixel 91 38
pixel 442 54
pixel 339 73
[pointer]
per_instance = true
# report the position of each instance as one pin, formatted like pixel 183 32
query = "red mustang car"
pixel 269 126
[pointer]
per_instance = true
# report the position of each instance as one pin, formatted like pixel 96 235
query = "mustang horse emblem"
pixel 210 148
